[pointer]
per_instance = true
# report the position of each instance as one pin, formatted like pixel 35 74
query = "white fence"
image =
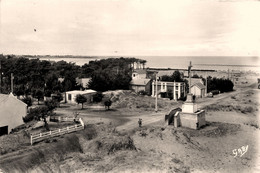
pixel 60 119
pixel 58 132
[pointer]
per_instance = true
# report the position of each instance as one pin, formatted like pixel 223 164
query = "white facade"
pixel 71 95
pixel 12 111
pixel 176 88
pixel 198 90
pixel 139 74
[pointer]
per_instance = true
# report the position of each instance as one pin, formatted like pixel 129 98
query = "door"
pixel 3 130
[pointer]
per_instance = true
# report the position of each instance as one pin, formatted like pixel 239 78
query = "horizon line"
pixel 134 55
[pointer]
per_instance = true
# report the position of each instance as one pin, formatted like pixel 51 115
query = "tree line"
pixel 213 83
pixel 220 84
pixel 217 84
pixel 42 78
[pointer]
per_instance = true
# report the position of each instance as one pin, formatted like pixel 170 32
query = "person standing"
pixel 140 122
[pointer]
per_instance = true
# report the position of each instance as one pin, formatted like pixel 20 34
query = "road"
pixel 148 119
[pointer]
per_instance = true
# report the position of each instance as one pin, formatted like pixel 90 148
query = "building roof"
pixel 140 71
pixel 140 82
pixel 168 83
pixel 165 72
pixel 89 91
pixel 195 80
pixel 199 85
pixel 5 97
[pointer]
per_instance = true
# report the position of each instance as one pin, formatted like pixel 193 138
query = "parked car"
pixel 210 94
pixel 215 92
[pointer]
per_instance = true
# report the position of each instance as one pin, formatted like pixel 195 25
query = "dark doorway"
pixel 3 130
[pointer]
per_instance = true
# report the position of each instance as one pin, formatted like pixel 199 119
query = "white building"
pixel 12 111
pixel 174 90
pixel 139 74
pixel 71 95
pixel 198 89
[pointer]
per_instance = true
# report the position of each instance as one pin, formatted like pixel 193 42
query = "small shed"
pixel 198 89
pixel 71 95
pixel 12 111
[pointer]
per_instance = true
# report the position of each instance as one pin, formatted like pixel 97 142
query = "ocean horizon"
pixel 221 63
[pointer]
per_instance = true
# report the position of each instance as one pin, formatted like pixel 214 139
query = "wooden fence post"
pixel 31 140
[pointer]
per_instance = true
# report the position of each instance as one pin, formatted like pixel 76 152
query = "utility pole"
pixel 156 97
pixel 189 71
pixel 206 83
pixel 0 77
pixel 12 83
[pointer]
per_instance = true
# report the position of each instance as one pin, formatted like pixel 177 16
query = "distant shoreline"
pixel 228 65
pixel 51 57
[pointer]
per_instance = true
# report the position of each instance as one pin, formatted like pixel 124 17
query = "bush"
pixel 248 109
pixel 142 93
pixel 98 97
pixel 36 113
pixel 28 101
pixel 107 104
pixel 123 144
pixel 51 104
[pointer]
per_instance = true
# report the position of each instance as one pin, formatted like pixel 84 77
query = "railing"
pixel 41 136
pixel 60 119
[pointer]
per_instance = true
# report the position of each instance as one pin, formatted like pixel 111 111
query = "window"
pixel 69 96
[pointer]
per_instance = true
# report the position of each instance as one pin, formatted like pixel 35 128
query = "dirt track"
pixel 207 149
pixel 156 117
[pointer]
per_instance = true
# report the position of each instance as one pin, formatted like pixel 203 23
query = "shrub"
pixel 36 113
pixel 28 101
pixel 142 92
pixel 248 109
pixel 107 104
pixel 51 104
pixel 81 99
pixel 98 97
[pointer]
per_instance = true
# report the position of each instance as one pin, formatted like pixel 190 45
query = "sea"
pixel 218 63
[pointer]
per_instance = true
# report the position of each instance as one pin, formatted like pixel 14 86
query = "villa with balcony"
pixel 172 90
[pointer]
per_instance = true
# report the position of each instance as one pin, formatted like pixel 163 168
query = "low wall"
pixel 193 120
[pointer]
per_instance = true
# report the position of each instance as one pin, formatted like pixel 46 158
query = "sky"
pixel 130 27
